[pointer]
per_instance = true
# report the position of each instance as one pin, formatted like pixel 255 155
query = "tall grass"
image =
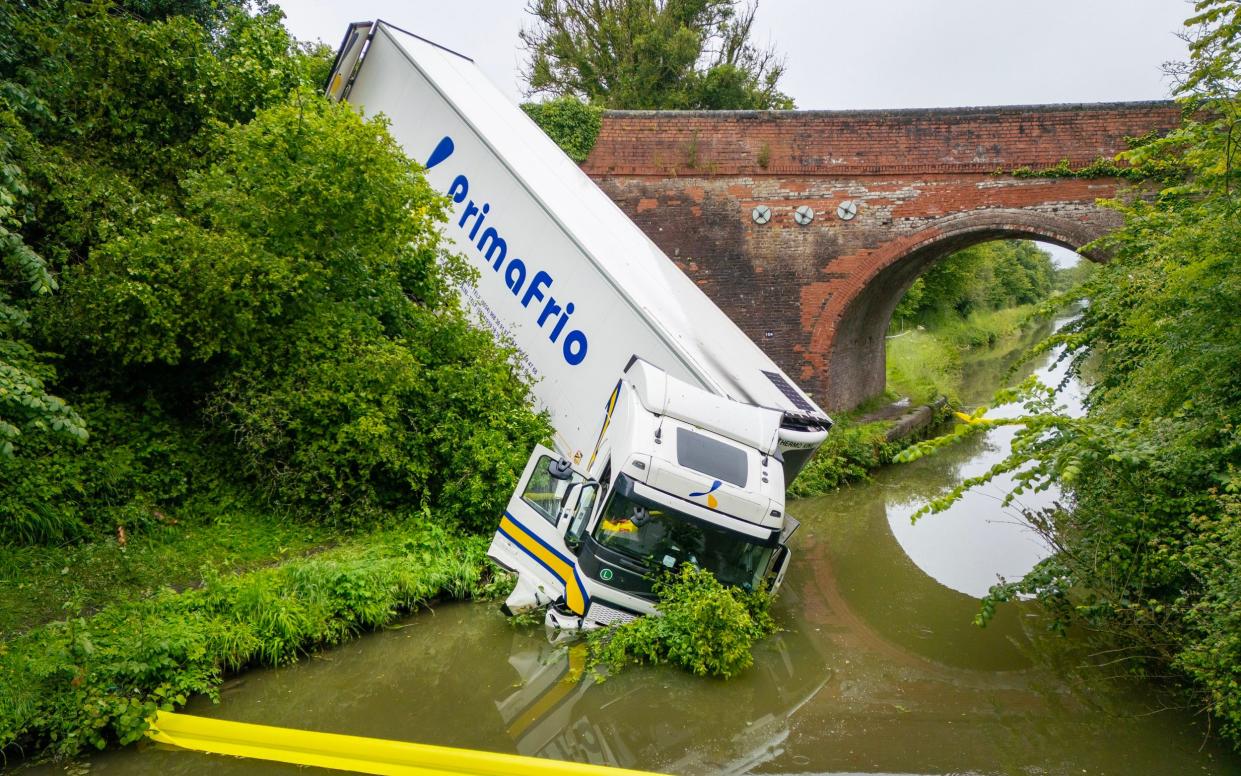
pixel 88 681
pixel 923 366
pixel 925 362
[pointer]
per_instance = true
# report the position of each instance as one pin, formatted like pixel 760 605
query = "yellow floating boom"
pixel 353 753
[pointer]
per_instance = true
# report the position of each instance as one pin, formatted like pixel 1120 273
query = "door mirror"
pixel 546 492
pixel 561 469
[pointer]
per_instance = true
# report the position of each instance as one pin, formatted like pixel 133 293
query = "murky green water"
pixel 878 671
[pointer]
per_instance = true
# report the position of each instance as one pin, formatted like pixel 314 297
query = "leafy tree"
pixel 232 276
pixel 990 276
pixel 571 123
pixel 312 299
pixel 645 54
pixel 25 404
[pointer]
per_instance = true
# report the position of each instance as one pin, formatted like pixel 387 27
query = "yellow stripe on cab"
pixel 575 596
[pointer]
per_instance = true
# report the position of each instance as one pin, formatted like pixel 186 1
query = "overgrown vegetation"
pixel 652 54
pixel 925 362
pixel 990 276
pixel 705 627
pixel 974 298
pixel 85 682
pixel 849 454
pixel 1149 541
pixel 572 124
pixel 1099 168
pixel 240 300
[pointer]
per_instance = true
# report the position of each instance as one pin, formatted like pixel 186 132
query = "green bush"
pixel 573 125
pixel 137 461
pixel 704 627
pixel 850 453
pixel 88 681
pixel 310 297
pixel 1211 652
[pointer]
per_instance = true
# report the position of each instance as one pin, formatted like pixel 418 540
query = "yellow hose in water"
pixel 353 753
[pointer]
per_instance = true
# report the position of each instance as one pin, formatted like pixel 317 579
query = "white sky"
pixel 862 54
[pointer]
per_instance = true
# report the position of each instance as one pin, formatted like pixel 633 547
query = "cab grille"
pixel 606 615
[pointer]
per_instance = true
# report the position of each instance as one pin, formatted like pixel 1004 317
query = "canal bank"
pixel 878 669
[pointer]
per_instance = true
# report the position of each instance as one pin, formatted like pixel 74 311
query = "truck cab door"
pixel 531 540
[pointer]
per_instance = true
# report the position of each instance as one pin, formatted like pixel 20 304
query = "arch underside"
pixel 856 358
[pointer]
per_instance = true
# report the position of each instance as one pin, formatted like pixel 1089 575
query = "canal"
pixel 878 668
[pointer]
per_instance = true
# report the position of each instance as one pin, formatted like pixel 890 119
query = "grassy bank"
pixel 88 681
pixel 40 583
pixel 924 363
pixel 851 452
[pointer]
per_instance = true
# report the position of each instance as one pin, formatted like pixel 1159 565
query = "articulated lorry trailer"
pixel 674 433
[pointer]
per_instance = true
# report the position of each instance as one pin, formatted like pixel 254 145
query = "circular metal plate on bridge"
pixel 846 210
pixel 803 215
pixel 761 214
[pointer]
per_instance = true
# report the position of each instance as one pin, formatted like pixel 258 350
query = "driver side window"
pixel 544 492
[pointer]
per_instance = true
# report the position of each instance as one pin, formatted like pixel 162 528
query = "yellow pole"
pixel 354 753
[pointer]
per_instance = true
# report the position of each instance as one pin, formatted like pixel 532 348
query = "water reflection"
pixel 877 672
pixel 979 540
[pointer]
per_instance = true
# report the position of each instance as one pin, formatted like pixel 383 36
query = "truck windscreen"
pixel 661 538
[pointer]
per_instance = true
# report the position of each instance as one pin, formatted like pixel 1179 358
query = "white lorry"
pixel 674 433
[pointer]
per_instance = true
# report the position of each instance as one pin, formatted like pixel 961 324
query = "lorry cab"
pixel 678 476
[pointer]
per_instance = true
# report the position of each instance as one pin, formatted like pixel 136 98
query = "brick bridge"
pixel 818 297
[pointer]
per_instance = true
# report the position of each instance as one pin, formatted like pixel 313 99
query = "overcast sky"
pixel 862 53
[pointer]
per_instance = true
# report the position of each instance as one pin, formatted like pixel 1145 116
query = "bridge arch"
pixel 851 330
pixel 817 294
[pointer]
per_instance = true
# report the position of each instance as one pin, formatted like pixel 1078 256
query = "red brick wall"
pixel 818 297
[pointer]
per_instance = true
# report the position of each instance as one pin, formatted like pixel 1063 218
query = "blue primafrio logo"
pixel 512 270
pixel 441 152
